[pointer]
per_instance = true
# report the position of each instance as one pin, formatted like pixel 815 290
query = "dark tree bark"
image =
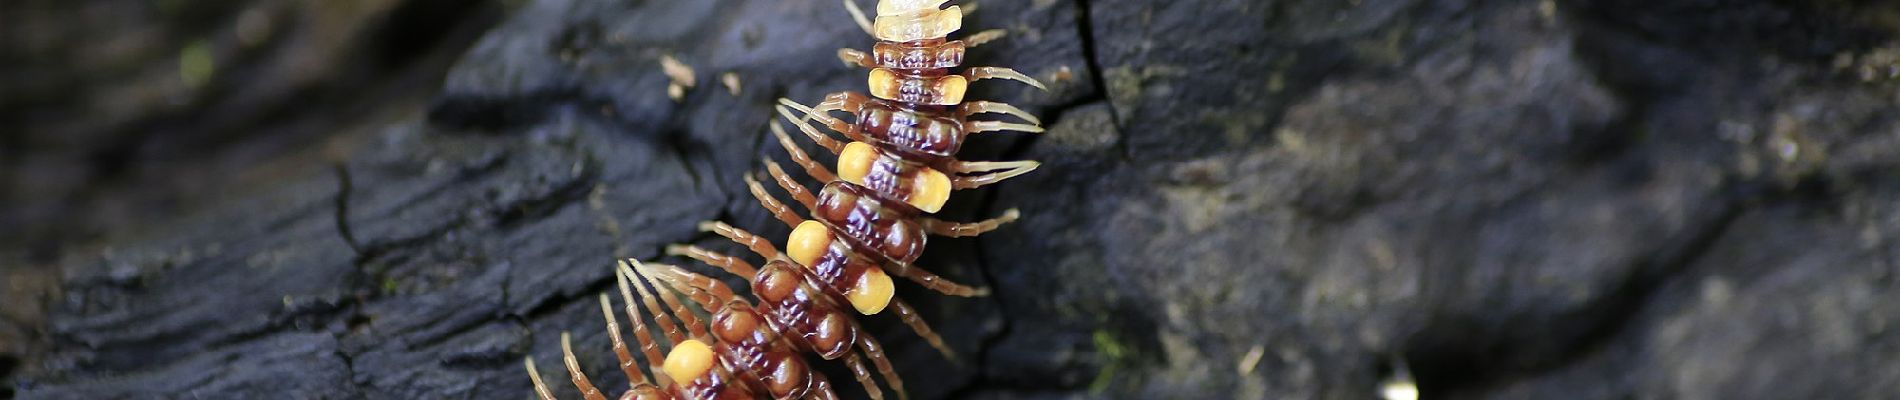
pixel 1280 199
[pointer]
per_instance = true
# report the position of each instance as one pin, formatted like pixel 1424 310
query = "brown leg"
pixel 863 374
pixel 729 263
pixel 752 241
pixel 933 281
pixel 980 107
pixel 849 102
pixel 540 387
pixel 840 101
pixel 856 58
pixel 1002 170
pixel 708 292
pixel 965 229
pixel 641 334
pixel 829 143
pixel 779 210
pixel 916 322
pixel 798 191
pixel 813 168
pixel 981 73
pixel 686 316
pixel 667 326
pixel 875 352
pixel 821 388
pixel 627 364
pixel 574 373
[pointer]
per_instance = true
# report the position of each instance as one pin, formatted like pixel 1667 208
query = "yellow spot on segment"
pixel 808 241
pixel 872 292
pixel 883 84
pixel 855 162
pixel 688 361
pixel 952 87
pixel 930 190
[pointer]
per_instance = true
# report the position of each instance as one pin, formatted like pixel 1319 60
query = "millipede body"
pixel 895 165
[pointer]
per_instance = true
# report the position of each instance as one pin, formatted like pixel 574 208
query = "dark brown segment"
pixel 926 134
pixel 646 392
pixel 715 385
pixel 919 87
pixel 867 224
pixel 840 268
pixel 785 373
pixel 935 54
pixel 804 312
pixel 749 345
pixel 890 179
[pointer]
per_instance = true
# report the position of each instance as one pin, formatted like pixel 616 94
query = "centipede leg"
pixel 756 243
pixel 980 73
pixel 862 373
pixel 574 373
pixel 641 333
pixel 812 167
pixel 994 126
pixel 686 316
pixel 829 143
pixel 667 326
pixel 725 262
pixel 933 281
pixel 540 387
pixel 840 101
pixel 875 352
pixel 916 322
pixel 856 58
pixel 965 229
pixel 837 101
pixel 798 191
pixel 821 388
pixel 627 364
pixel 857 14
pixel 778 209
pixel 979 38
pixel 708 292
pixel 997 171
pixel 979 107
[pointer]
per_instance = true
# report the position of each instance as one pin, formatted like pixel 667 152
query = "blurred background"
pixel 1611 199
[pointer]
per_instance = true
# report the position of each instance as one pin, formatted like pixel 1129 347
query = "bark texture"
pixel 1250 199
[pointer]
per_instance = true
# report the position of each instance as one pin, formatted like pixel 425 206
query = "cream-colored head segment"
pixel 894 7
pixel 910 27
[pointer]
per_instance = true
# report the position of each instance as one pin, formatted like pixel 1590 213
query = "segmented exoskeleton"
pixel 869 220
pixel 689 371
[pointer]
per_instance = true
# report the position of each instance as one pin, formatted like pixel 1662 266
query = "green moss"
pixel 1117 354
pixel 195 64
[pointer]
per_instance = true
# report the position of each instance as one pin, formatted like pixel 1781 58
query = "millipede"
pixel 895 166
